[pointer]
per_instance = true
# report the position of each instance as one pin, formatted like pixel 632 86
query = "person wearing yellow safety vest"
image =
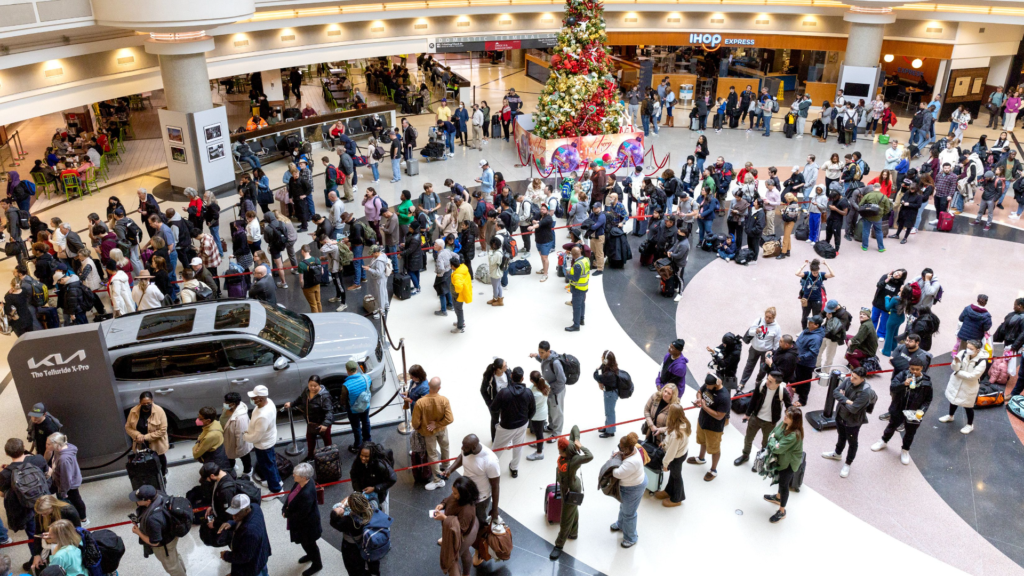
pixel 255 123
pixel 579 280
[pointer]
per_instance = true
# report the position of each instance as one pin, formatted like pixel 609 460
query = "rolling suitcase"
pixel 144 469
pixel 421 474
pixel 945 223
pixel 327 464
pixel 495 126
pixel 553 504
pixel 403 286
pixel 798 476
pixel 655 479
pixel 695 123
pixel 412 166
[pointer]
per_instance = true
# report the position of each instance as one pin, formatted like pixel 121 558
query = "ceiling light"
pixel 888 57
pixel 917 63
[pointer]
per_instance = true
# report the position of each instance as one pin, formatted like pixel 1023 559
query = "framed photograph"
pixel 178 154
pixel 175 135
pixel 215 151
pixel 213 132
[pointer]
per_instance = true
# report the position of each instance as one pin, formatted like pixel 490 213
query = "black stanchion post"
pixel 294 449
pixel 825 419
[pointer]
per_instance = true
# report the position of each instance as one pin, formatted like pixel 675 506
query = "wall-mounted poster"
pixel 178 154
pixel 977 85
pixel 213 132
pixel 175 135
pixel 215 151
pixel 960 86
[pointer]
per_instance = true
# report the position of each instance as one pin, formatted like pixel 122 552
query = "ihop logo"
pixel 708 40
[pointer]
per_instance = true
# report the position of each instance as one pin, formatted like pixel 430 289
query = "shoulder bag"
pixel 569 497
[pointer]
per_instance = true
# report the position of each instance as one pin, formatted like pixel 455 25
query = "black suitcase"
pixel 421 474
pixel 495 126
pixel 327 464
pixel 639 227
pixel 403 286
pixel 798 476
pixel 144 469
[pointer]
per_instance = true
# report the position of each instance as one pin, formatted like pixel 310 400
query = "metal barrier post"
pixel 21 149
pixel 294 449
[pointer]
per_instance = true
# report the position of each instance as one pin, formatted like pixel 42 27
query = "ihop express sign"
pixel 714 41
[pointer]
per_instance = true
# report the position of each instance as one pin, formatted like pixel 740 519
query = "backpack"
pixel 415 132
pixel 368 232
pixel 29 484
pixel 31 187
pixel 513 220
pixel 202 292
pixel 775 106
pixel 315 274
pixel 91 554
pixel 915 293
pixel 40 294
pixel 23 220
pixel 180 512
pixel 111 549
pixel 389 267
pixel 376 542
pixel 571 368
pixel 625 385
pixel 134 234
pixel 249 489
pixel 362 402
pixel 870 408
pixel 332 174
pixel 865 170
pixel 534 212
pixel 383 204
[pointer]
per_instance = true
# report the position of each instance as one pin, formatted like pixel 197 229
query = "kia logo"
pixel 56 360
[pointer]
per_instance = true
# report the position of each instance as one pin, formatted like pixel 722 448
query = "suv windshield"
pixel 288 330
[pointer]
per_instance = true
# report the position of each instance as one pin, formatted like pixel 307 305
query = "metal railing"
pixel 11 153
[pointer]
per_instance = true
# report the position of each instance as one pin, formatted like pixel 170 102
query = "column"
pixel 867 29
pixel 195 132
pixel 517 58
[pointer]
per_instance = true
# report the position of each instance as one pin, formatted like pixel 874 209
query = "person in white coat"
pixel 962 390
pixel 120 290
pixel 145 294
pixel 235 421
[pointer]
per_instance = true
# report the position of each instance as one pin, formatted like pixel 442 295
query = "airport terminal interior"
pixel 617 287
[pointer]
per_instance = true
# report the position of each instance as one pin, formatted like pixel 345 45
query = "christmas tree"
pixel 580 97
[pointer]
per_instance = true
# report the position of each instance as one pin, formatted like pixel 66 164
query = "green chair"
pixel 41 184
pixel 120 139
pixel 114 155
pixel 91 180
pixel 71 184
pixel 104 169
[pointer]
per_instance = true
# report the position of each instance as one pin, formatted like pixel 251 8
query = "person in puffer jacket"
pixel 976 321
pixel 66 475
pixel 120 290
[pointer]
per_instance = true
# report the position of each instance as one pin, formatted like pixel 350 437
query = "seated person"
pixel 727 250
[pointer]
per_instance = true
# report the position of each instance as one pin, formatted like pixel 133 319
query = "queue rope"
pixel 595 429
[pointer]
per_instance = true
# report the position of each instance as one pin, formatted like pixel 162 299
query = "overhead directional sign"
pixel 494 42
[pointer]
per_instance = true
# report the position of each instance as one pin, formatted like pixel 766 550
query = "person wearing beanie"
pixel 989 196
pixel 571 455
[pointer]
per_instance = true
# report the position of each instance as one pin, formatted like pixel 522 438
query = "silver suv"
pixel 189 356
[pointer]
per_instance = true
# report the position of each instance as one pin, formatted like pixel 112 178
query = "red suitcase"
pixel 945 222
pixel 553 504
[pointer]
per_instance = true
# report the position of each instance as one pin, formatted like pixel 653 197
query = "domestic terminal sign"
pixel 715 41
pixel 494 42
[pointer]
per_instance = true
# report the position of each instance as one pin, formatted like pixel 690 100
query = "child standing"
pixel 540 391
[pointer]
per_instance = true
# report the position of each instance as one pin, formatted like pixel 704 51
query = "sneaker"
pixel 845 471
pixel 6 541
pixel 933 222
pixel 394 180
pixel 864 248
pixel 535 456
pixel 628 544
pixel 831 455
pixel 677 298
pixel 342 308
pixel 879 446
pixel 913 230
pixel 987 227
pixel 777 517
pixel 905 457
pixel 710 475
pixel 965 430
pixel 884 416
pixel 281 284
pixel 748 130
pixel 946 418
pixel 332 300
pixel 614 527
pixel 974 222
pixel 439 483
pixel 773 498
pixel 881 249
pixel 696 460
pixel 457 330
pixel 85 521
pixel 901 428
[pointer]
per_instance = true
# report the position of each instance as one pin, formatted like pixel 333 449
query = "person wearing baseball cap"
pixel 262 434
pixel 154 529
pixel 41 425
pixel 204 275
pixel 250 544
pixel 486 178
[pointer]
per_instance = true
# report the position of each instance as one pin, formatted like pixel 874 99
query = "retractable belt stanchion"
pixel 826 419
pixel 294 449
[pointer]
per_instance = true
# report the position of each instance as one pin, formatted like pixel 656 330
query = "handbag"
pixel 568 496
pixel 760 459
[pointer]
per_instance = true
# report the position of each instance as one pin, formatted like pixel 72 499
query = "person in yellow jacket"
pixel 579 281
pixel 255 123
pixel 462 285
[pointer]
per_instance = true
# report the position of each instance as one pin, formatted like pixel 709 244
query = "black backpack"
pixel 314 275
pixel 534 212
pixel 245 486
pixel 625 385
pixel 179 510
pixel 24 220
pixel 111 549
pixel 29 484
pixel 513 221
pixel 571 368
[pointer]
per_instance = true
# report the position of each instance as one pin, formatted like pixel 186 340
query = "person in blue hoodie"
pixel 727 251
pixel 976 321
pixel 708 207
pixel 808 344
